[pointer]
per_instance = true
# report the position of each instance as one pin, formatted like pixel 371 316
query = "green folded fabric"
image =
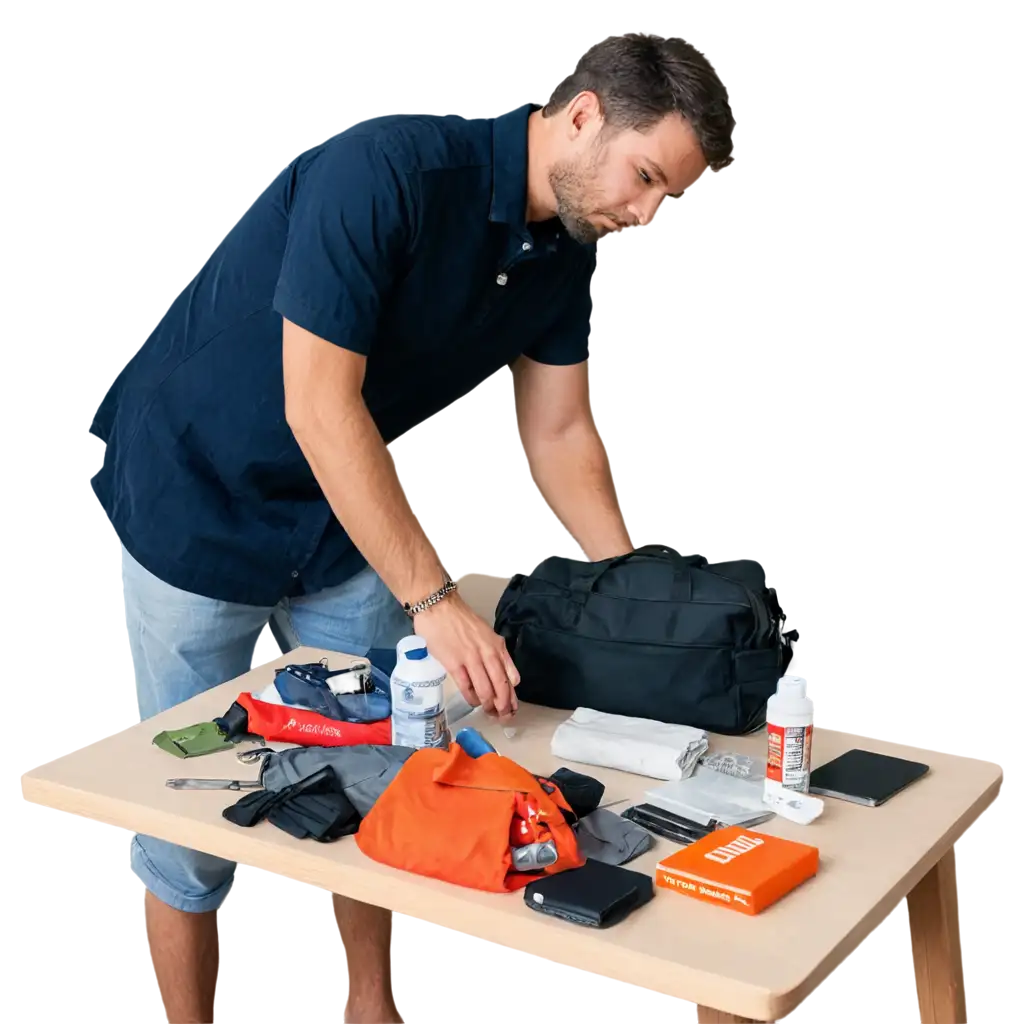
pixel 193 740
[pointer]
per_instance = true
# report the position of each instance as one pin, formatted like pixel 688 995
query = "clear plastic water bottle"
pixel 418 717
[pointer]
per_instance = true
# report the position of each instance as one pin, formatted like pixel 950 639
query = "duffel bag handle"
pixel 680 564
pixel 662 551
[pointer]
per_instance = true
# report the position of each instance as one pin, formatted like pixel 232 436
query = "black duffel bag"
pixel 652 634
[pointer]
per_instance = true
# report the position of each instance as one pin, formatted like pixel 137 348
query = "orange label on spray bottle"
pixel 789 755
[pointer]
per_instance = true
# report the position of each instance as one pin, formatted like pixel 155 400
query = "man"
pixel 382 275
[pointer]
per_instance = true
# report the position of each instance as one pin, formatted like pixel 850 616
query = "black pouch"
pixel 596 895
pixel 582 793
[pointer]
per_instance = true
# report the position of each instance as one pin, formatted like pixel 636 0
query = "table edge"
pixel 785 1003
pixel 404 894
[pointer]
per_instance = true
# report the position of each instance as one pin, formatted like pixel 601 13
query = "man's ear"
pixel 584 115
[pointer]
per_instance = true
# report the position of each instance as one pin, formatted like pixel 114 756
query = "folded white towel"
pixel 638 745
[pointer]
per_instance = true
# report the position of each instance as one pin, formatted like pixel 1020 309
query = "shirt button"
pixel 295 574
pixel 527 247
pixel 502 278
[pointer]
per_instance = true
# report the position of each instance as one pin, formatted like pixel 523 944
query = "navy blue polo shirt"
pixel 403 238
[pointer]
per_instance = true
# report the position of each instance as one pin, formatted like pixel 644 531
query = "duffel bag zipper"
pixel 761 616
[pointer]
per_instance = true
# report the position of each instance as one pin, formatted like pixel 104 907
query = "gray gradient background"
pixel 126 141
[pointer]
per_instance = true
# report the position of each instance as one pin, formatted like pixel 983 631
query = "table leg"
pixel 709 1015
pixel 935 935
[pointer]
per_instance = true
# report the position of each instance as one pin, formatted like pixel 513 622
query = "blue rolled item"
pixel 473 743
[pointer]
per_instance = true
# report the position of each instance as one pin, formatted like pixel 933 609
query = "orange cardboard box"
pixel 736 868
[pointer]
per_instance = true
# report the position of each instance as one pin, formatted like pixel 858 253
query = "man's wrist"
pixel 427 601
pixel 611 548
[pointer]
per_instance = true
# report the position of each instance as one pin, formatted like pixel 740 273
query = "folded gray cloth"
pixel 364 771
pixel 605 836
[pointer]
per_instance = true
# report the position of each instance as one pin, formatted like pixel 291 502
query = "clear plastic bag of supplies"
pixel 708 795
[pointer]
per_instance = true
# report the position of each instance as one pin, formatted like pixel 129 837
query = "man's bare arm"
pixel 567 458
pixel 325 409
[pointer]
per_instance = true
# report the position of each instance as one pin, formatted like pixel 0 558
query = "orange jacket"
pixel 450 816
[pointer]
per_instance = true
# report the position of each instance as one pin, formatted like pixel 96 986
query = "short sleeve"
pixel 348 235
pixel 567 342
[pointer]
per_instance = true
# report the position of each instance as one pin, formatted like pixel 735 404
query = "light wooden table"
pixel 733 967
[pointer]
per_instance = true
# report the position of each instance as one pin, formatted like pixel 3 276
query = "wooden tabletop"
pixel 759 967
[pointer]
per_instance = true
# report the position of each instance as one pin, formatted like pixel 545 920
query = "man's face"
pixel 618 181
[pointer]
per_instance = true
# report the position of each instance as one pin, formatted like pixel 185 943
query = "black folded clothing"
pixel 314 808
pixel 581 792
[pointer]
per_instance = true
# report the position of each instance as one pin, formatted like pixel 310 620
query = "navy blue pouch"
pixel 306 686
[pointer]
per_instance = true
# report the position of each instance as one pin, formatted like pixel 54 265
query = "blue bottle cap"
pixel 416 654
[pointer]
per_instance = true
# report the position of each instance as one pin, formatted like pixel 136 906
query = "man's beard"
pixel 569 182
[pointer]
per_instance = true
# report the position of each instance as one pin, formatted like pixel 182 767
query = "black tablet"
pixel 865 777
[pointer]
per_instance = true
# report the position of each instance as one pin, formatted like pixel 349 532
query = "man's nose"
pixel 644 209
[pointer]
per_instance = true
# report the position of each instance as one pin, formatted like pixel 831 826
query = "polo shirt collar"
pixel 509 166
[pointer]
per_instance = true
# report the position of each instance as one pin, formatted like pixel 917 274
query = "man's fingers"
pixel 512 674
pixel 465 685
pixel 510 666
pixel 512 677
pixel 482 685
pixel 503 696
pixel 486 675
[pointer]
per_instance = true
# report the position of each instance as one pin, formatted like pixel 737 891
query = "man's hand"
pixel 334 429
pixel 474 655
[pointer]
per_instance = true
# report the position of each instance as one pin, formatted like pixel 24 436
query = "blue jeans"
pixel 183 644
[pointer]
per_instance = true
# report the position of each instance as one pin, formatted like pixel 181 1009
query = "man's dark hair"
pixel 640 79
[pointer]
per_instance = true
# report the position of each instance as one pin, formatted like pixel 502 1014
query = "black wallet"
pixel 597 894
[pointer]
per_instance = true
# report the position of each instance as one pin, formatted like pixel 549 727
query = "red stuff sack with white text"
pixel 308 713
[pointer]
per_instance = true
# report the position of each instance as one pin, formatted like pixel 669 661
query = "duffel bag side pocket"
pixel 684 685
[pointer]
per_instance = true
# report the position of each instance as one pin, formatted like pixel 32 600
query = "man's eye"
pixel 645 177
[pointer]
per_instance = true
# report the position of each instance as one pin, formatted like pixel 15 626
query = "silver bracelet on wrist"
pixel 431 599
